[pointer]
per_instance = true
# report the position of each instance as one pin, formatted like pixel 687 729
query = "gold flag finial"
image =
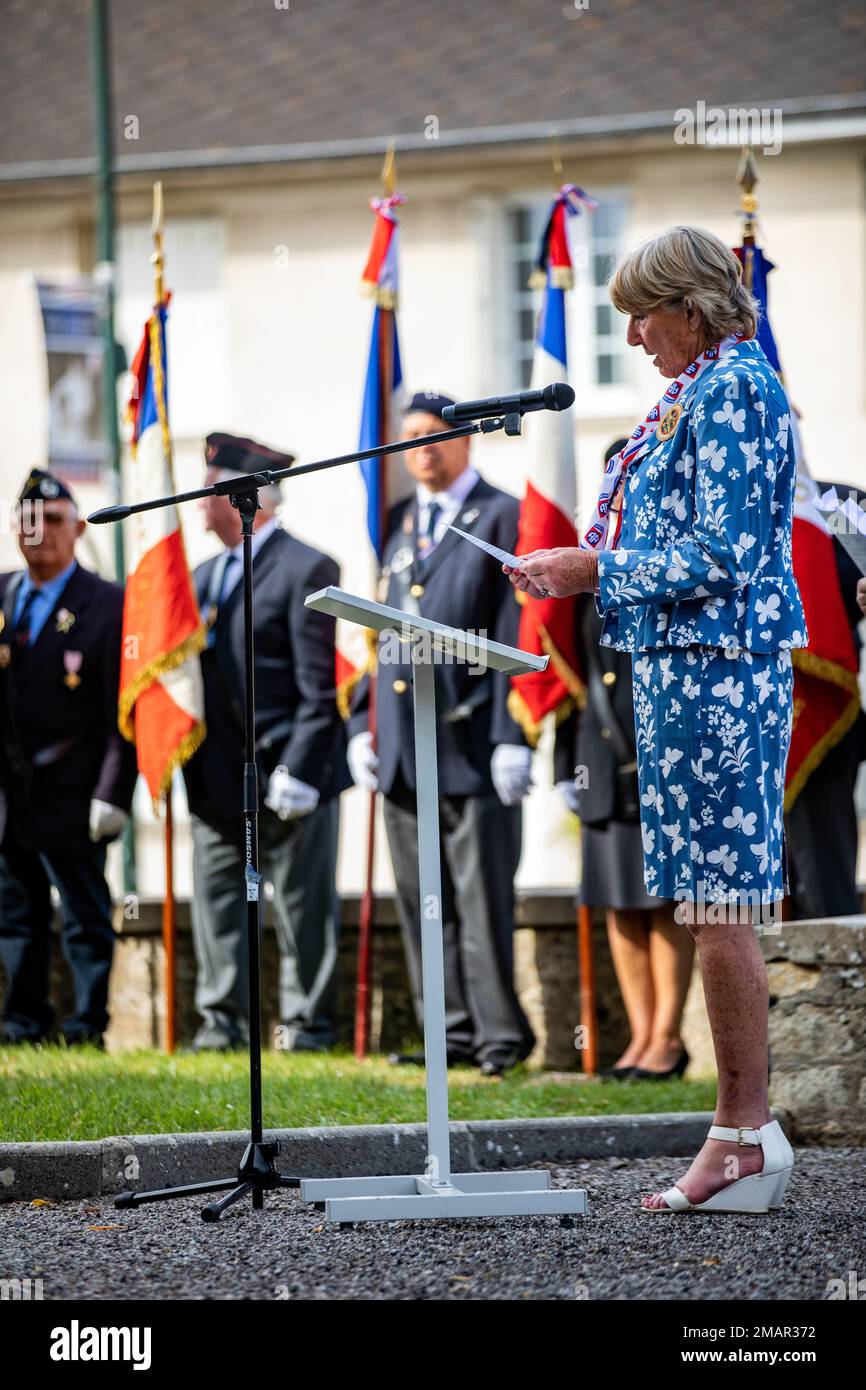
pixel 747 174
pixel 389 170
pixel 156 258
pixel 747 178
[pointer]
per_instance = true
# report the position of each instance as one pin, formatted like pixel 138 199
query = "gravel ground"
pixel 614 1252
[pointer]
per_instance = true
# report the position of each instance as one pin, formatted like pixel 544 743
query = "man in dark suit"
pixel 300 748
pixel 483 762
pixel 67 776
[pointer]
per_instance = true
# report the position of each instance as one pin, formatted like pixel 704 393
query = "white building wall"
pixel 283 333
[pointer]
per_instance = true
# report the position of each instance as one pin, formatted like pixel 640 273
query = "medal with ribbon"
pixel 72 664
pixel 660 423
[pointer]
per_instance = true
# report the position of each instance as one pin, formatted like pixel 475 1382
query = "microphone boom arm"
pixel 251 482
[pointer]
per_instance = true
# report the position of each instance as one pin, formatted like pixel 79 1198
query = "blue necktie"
pixel 22 627
pixel 428 545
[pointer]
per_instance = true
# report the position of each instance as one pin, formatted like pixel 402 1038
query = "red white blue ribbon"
pixel 641 441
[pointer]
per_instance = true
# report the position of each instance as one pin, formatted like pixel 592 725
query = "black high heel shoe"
pixel 679 1066
pixel 617 1073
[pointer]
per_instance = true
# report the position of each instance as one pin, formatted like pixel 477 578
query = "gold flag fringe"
pixel 169 661
pixel 576 698
pixel 189 744
pixel 834 674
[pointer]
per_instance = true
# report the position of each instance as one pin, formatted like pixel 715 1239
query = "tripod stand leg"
pixel 165 1194
pixel 214 1210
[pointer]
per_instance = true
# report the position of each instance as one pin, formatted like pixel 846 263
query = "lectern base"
pixel 414 1198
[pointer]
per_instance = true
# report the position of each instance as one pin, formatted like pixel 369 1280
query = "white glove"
pixel 106 821
pixel 289 797
pixel 363 761
pixel 511 769
pixel 568 792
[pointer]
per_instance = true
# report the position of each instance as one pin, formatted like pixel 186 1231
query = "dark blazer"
pixel 42 705
pixel 463 587
pixel 297 722
pixel 582 740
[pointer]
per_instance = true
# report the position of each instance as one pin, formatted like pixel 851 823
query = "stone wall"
pixel 546 970
pixel 816 970
pixel 817 976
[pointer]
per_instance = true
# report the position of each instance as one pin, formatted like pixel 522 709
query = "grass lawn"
pixel 52 1093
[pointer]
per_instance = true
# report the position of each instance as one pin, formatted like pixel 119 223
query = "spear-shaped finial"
pixel 747 178
pixel 389 171
pixel 156 227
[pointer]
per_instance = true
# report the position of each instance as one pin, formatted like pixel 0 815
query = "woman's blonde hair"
pixel 687 264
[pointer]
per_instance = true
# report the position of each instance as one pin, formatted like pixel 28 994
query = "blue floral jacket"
pixel 704 552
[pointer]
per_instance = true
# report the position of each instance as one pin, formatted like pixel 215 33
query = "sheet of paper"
pixel 502 556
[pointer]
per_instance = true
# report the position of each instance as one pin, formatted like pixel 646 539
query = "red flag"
pixel 826 688
pixel 161 699
pixel 547 513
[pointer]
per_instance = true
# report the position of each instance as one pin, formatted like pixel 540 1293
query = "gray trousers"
pixel 298 858
pixel 480 843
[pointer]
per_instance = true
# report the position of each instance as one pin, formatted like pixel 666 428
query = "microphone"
pixel 119 513
pixel 557 396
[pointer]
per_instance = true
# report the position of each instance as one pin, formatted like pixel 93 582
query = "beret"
pixel 42 486
pixel 239 455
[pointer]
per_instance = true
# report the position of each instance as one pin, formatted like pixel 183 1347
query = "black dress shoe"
pixel 83 1038
pixel 679 1066
pixel 498 1066
pixel 418 1059
pixel 22 1039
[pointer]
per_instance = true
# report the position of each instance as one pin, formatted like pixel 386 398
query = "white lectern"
pixel 438 1192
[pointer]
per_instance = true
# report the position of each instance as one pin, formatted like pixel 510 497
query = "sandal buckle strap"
pixel 743 1135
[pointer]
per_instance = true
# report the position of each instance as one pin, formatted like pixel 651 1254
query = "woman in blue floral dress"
pixel 689 555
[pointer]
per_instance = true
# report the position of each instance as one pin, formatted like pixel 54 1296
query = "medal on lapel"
pixel 72 662
pixel 468 517
pixel 668 423
pixel 5 655
pixel 401 560
pixel 2 620
pixel 64 620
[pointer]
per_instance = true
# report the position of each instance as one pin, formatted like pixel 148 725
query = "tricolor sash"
pixel 659 423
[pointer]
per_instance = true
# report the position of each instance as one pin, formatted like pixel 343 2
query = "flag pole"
pixel 587 1006
pixel 368 902
pixel 169 927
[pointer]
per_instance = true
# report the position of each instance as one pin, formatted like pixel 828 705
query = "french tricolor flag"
pixel 547 512
pixel 383 384
pixel 161 699
pixel 385 478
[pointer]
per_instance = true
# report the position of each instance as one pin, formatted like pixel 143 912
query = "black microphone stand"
pixel 257 1171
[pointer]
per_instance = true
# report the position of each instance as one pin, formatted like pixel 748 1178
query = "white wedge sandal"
pixel 757 1193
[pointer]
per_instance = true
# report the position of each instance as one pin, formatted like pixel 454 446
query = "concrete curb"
pixel 104 1167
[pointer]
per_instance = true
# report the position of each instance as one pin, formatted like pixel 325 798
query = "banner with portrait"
pixel 73 319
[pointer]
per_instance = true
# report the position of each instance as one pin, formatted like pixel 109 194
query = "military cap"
pixel 42 486
pixel 239 455
pixel 430 402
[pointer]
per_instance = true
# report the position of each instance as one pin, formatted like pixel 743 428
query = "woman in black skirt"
pixel 596 773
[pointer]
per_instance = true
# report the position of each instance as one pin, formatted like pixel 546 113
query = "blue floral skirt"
pixel 713 730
